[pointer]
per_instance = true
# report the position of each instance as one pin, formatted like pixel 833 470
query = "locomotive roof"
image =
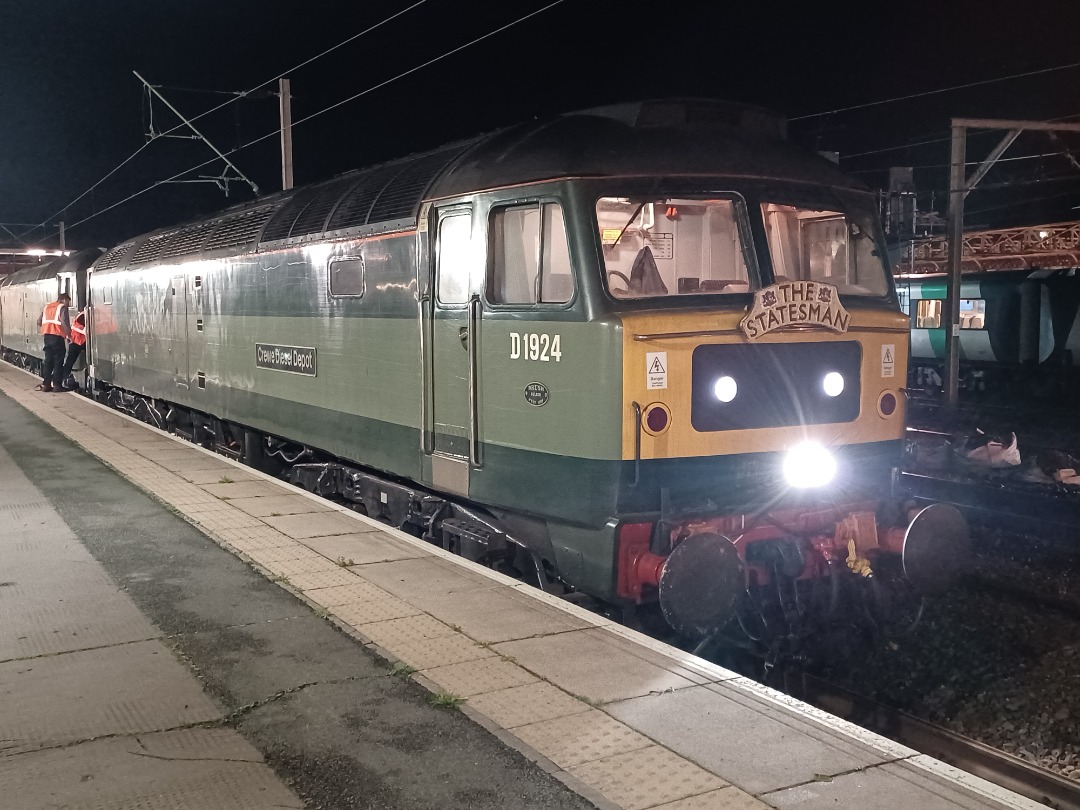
pixel 79 260
pixel 672 137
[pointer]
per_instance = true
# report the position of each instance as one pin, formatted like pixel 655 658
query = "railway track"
pixel 961 752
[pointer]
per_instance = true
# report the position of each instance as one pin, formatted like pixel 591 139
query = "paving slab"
pixel 580 738
pixel 275 505
pixel 728 798
pixel 196 769
pixel 584 663
pixel 646 777
pixel 499 614
pixel 240 489
pixel 321 524
pixel 132 688
pixel 472 678
pixel 42 622
pixel 419 580
pixel 873 789
pixel 775 755
pixel 363 548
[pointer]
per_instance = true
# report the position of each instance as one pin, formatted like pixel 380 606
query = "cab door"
pixel 453 315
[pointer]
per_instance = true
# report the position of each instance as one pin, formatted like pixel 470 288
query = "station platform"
pixel 202 635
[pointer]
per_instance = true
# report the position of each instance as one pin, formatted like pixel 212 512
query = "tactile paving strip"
pixel 646 777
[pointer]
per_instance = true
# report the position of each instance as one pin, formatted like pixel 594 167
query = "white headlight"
pixel 809 465
pixel 725 389
pixel 833 384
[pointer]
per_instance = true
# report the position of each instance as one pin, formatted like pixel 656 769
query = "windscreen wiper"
pixel 633 216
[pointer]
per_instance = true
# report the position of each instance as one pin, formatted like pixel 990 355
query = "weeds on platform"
pixel 401 670
pixel 343 562
pixel 225 480
pixel 446 700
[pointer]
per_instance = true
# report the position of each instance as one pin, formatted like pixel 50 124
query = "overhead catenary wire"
pixel 235 97
pixel 936 92
pixel 274 133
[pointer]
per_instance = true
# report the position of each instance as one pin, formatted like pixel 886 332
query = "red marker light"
pixel 656 419
pixel 887 404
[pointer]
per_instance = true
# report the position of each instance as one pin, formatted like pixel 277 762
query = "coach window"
pixel 347 277
pixel 929 314
pixel 455 258
pixel 972 313
pixel 530 262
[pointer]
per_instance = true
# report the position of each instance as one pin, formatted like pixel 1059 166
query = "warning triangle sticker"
pixel 657 367
pixel 888 356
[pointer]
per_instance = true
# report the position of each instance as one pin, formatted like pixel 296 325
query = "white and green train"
pixel 1012 323
pixel 649 353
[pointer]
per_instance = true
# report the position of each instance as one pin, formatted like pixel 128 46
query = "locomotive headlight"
pixel 725 388
pixel 833 384
pixel 809 465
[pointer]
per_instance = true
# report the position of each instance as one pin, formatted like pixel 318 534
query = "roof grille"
pixel 152 248
pixel 356 205
pixel 281 223
pixel 240 230
pixel 188 240
pixel 401 197
pixel 113 258
pixel 326 197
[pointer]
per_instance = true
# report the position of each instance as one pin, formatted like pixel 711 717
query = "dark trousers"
pixel 73 352
pixel 54 361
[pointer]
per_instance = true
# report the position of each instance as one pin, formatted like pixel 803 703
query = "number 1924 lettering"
pixel 534 346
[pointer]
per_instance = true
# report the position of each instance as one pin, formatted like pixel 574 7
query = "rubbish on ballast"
pixel 1060 467
pixel 986 450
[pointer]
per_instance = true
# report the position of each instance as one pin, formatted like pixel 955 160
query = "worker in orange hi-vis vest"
pixel 55 328
pixel 75 350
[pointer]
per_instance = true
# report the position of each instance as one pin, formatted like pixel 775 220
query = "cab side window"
pixel 455 251
pixel 530 259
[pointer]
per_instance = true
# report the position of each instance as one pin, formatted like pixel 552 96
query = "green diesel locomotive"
pixel 650 353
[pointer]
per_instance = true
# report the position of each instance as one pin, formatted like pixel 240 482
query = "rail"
pixel 968 755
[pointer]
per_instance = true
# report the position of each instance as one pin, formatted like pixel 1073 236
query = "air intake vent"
pixel 282 222
pixel 152 248
pixel 113 258
pixel 401 196
pixel 313 218
pixel 187 240
pixel 240 230
pixel 355 207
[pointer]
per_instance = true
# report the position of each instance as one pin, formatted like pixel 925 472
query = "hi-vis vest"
pixel 50 319
pixel 78 329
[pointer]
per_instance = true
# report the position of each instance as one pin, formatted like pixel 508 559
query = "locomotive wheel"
pixel 937 548
pixel 701 584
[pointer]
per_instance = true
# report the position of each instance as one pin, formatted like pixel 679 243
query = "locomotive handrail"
pixel 637 442
pixel 474 438
pixel 696 333
pixel 893 330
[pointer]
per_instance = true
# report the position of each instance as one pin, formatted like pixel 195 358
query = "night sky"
pixel 71 110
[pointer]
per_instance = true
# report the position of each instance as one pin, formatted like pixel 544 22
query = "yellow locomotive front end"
pixel 764 356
